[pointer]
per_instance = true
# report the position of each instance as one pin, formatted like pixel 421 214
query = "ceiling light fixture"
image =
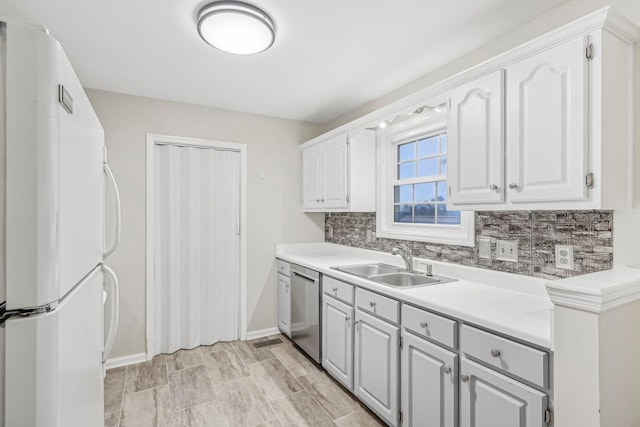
pixel 236 27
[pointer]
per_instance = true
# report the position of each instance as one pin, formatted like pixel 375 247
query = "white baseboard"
pixel 117 362
pixel 251 335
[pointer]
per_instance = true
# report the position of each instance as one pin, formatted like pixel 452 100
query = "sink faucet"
pixel 405 252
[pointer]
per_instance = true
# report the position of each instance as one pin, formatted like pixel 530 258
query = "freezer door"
pixel 54 362
pixel 54 172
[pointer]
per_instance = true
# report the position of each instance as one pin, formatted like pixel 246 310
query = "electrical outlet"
pixel 484 248
pixel 507 250
pixel 564 257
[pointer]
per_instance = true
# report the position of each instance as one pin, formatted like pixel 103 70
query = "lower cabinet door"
pixel 284 304
pixel 376 366
pixel 429 384
pixel 337 340
pixel 490 399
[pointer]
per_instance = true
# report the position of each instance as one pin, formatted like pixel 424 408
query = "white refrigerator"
pixel 55 187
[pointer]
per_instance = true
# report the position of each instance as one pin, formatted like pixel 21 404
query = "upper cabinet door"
pixel 547 131
pixel 312 178
pixel 475 128
pixel 334 170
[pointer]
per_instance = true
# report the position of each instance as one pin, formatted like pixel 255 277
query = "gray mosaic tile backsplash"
pixel 589 232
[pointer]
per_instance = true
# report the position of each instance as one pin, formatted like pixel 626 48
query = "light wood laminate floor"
pixel 231 384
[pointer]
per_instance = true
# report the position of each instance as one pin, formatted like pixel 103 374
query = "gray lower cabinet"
pixel 376 365
pixel 437 371
pixel 284 298
pixel 429 379
pixel 337 340
pixel 284 304
pixel 490 399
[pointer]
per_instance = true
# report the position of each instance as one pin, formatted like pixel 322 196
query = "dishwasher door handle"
pixel 304 276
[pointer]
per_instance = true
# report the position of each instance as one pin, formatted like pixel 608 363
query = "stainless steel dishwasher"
pixel 305 310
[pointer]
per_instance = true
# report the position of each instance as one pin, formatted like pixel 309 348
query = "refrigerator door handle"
pixel 116 217
pixel 112 288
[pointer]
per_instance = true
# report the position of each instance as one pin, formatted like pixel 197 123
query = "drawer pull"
pixel 372 304
pixel 423 324
pixel 495 353
pixel 464 378
pixel 446 370
pixel 335 290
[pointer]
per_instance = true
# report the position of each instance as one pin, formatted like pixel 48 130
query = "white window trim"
pixel 387 141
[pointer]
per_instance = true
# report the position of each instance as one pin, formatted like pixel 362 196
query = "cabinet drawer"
pixel 518 359
pixel 337 289
pixel 284 268
pixel 429 325
pixel 379 305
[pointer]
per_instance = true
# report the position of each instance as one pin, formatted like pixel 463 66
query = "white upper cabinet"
pixel 546 133
pixel 476 124
pixel 548 124
pixel 335 157
pixel 338 173
pixel 312 178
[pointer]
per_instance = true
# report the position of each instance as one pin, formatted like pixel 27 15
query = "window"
pixel 412 184
pixel 420 187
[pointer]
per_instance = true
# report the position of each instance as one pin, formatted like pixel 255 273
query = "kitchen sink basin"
pixel 406 279
pixel 367 270
pixel 390 275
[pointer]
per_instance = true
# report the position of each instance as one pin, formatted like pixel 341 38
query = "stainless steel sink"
pixel 367 270
pixel 390 275
pixel 406 279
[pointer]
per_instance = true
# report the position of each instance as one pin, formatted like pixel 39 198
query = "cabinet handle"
pixel 513 186
pixel 495 353
pixel 322 200
pixel 423 324
pixel 493 187
pixel 335 291
pixel 464 378
pixel 372 304
pixel 356 324
pixel 446 370
pixel 347 319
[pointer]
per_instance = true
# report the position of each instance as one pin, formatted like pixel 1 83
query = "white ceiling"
pixel 330 56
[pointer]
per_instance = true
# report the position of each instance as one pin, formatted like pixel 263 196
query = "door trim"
pixel 156 139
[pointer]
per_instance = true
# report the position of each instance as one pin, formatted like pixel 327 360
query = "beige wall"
pixel 274 194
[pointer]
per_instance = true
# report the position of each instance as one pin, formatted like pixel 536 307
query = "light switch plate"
pixel 507 250
pixel 564 257
pixel 369 238
pixel 484 248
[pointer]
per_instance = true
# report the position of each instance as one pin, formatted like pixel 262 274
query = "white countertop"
pixel 511 304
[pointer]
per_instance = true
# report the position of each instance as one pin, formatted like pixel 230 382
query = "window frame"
pixel 413 129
